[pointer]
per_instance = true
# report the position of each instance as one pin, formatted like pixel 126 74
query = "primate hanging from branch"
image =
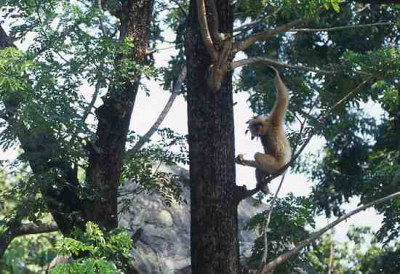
pixel 277 150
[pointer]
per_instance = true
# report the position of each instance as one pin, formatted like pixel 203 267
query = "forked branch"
pixel 271 266
pixel 205 32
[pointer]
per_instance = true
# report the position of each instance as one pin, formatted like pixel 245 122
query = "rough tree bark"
pixel 214 227
pixel 105 162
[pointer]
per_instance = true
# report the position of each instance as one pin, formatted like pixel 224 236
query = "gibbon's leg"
pixel 267 163
pixel 260 178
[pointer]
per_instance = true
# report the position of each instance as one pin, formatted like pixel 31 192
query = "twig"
pixel 146 137
pixel 265 254
pixel 205 32
pixel 343 27
pixel 268 268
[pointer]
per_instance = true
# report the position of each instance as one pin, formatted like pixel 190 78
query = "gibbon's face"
pixel 257 126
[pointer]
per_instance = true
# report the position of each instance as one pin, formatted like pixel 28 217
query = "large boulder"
pixel 162 232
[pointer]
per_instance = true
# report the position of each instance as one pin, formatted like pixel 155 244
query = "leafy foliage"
pixel 288 224
pixel 96 252
pixel 360 254
pixel 143 167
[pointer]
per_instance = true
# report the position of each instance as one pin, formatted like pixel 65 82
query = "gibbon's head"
pixel 257 126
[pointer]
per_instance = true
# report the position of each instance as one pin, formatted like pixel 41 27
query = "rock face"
pixel 164 245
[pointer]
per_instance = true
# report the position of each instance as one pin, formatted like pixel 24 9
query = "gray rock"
pixel 164 244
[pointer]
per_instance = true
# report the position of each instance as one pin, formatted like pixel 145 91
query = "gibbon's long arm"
pixel 277 116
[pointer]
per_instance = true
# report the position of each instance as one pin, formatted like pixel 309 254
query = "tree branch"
pixel 265 35
pixel 265 254
pixel 205 32
pixel 24 229
pixel 343 27
pixel 270 267
pixel 145 138
pixel 255 22
pixel 253 60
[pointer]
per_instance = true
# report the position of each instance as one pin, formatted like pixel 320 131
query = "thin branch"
pixel 265 254
pixel 150 51
pixel 255 22
pixel 265 35
pixel 253 60
pixel 268 268
pixel 24 229
pixel 331 258
pixel 205 32
pixel 145 138
pixel 96 93
pixel 343 27
pixel 248 193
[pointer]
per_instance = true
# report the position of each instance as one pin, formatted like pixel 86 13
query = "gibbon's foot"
pixel 240 160
pixel 262 178
pixel 263 187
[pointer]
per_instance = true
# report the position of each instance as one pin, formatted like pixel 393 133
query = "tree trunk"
pixel 214 227
pixel 105 162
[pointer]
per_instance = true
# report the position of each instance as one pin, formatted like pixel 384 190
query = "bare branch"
pixel 24 229
pixel 255 22
pixel 205 32
pixel 265 35
pixel 265 254
pixel 145 138
pixel 343 27
pixel 253 60
pixel 331 258
pixel 251 192
pixel 268 268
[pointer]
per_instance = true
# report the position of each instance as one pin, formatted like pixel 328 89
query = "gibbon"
pixel 271 132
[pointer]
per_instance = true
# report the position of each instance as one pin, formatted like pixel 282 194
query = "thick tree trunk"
pixel 105 162
pixel 214 227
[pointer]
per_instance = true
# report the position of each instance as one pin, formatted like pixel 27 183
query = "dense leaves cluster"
pixel 101 253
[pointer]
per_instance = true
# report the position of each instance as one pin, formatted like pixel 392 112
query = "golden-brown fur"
pixel 271 132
